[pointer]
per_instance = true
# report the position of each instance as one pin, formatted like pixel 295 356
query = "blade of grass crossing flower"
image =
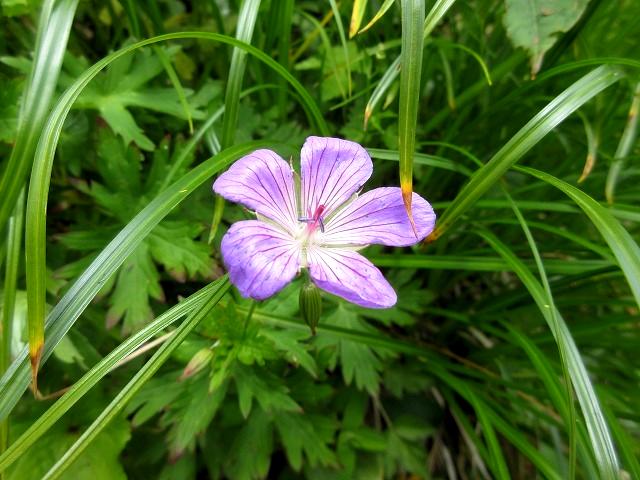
pixel 244 31
pixel 357 14
pixel 39 184
pixel 624 146
pixel 100 370
pixel 383 9
pixel 622 244
pixel 343 41
pixel 14 248
pixel 434 16
pixel 141 377
pixel 599 435
pixel 570 418
pixel 410 75
pixel 527 137
pixel 51 42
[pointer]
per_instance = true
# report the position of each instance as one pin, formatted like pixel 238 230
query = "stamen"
pixel 314 221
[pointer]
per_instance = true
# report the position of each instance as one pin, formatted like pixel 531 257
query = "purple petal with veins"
pixel 349 275
pixel 260 257
pixel 332 170
pixel 379 217
pixel 263 182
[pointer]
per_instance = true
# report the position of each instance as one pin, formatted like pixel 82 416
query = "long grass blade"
pixel 357 14
pixel 379 14
pixel 601 441
pixel 624 146
pixel 622 244
pixel 343 41
pixel 436 13
pixel 410 75
pixel 14 249
pixel 53 32
pixel 548 118
pixel 141 377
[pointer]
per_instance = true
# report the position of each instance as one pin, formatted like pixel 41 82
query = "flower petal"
pixel 379 217
pixel 261 258
pixel 351 276
pixel 332 170
pixel 263 182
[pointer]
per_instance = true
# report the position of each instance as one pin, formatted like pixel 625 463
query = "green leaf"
pixel 535 25
pixel 137 280
pixel 311 435
pixel 358 362
pixel 252 448
pixel 270 393
pixel 172 244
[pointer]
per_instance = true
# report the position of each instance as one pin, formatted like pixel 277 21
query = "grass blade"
pixel 601 442
pixel 622 245
pixel 383 9
pixel 14 248
pixel 141 377
pixel 410 75
pixel 527 137
pixel 435 15
pixel 357 14
pixel 53 32
pixel 624 147
pixel 343 41
pixel 99 371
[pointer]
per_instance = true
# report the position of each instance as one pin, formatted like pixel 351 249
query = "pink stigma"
pixel 315 220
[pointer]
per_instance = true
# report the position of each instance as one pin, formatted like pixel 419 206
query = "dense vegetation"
pixel 512 350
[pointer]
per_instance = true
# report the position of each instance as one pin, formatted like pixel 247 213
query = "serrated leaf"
pixel 137 280
pixel 125 85
pixel 191 413
pixel 251 450
pixel 288 341
pixel 358 361
pixel 268 390
pixel 536 25
pixel 172 244
pixel 306 434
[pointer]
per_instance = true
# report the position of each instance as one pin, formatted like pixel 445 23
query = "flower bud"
pixel 310 305
pixel 197 363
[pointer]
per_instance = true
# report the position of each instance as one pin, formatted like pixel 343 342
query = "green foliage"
pixel 537 25
pixel 512 350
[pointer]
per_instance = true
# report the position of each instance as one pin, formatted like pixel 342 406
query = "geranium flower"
pixel 317 223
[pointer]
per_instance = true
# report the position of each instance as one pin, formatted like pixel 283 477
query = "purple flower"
pixel 318 223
